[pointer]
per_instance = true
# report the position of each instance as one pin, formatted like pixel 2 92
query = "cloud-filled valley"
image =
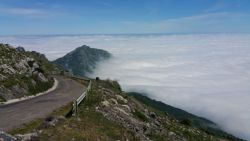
pixel 206 74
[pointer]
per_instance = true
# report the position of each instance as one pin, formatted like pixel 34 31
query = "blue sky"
pixel 123 16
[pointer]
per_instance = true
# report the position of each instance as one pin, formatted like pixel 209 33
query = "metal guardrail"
pixel 81 98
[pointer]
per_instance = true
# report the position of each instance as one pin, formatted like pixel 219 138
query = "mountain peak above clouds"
pixel 82 60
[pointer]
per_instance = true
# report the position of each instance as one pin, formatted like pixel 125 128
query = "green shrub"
pixel 92 98
pixel 187 122
pixel 28 127
pixel 2 99
pixel 10 82
pixel 30 63
pixel 140 115
pixel 40 87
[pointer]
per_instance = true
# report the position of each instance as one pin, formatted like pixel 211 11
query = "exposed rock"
pixel 2 77
pixel 107 92
pixel 113 101
pixel 7 69
pixel 61 118
pixel 50 121
pixel 120 98
pixel 35 65
pixel 18 91
pixel 157 123
pixel 6 94
pixel 41 77
pixel 142 123
pixel 21 72
pixel 105 103
pixel 26 137
pixel 174 137
pixel 121 110
pixel 152 115
pixel 35 73
pixel 22 66
pixel 6 137
pixel 20 49
pixel 127 108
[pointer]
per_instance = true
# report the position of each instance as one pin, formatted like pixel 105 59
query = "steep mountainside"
pixel 23 73
pixel 183 116
pixel 82 60
pixel 108 114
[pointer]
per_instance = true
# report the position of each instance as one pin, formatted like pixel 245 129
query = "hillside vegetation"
pixel 23 73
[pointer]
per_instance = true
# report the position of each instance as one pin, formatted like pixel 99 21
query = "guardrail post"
pixel 76 109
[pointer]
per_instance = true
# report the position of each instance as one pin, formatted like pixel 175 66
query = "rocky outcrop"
pixel 41 77
pixel 20 49
pixel 19 137
pixel 22 73
pixel 6 137
pixel 134 117
pixel 144 121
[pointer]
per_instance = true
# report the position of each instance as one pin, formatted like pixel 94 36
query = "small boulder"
pixel 121 111
pixel 120 98
pixel 50 121
pixel 2 77
pixel 35 65
pixel 113 101
pixel 152 115
pixel 157 123
pixel 26 137
pixel 105 103
pixel 41 77
pixel 20 49
pixel 171 134
pixel 127 108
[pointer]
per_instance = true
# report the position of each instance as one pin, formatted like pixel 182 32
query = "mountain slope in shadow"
pixel 82 60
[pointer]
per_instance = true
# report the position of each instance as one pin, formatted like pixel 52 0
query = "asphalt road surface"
pixel 16 114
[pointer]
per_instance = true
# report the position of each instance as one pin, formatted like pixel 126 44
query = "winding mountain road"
pixel 16 114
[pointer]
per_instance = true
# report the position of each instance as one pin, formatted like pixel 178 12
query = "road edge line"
pixel 55 85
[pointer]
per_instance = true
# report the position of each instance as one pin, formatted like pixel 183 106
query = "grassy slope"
pixel 2 99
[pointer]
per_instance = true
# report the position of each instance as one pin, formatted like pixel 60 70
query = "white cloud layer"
pixel 206 74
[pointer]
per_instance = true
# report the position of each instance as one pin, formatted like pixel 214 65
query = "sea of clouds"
pixel 205 74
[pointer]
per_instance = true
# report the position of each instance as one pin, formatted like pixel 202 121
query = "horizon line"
pixel 120 34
